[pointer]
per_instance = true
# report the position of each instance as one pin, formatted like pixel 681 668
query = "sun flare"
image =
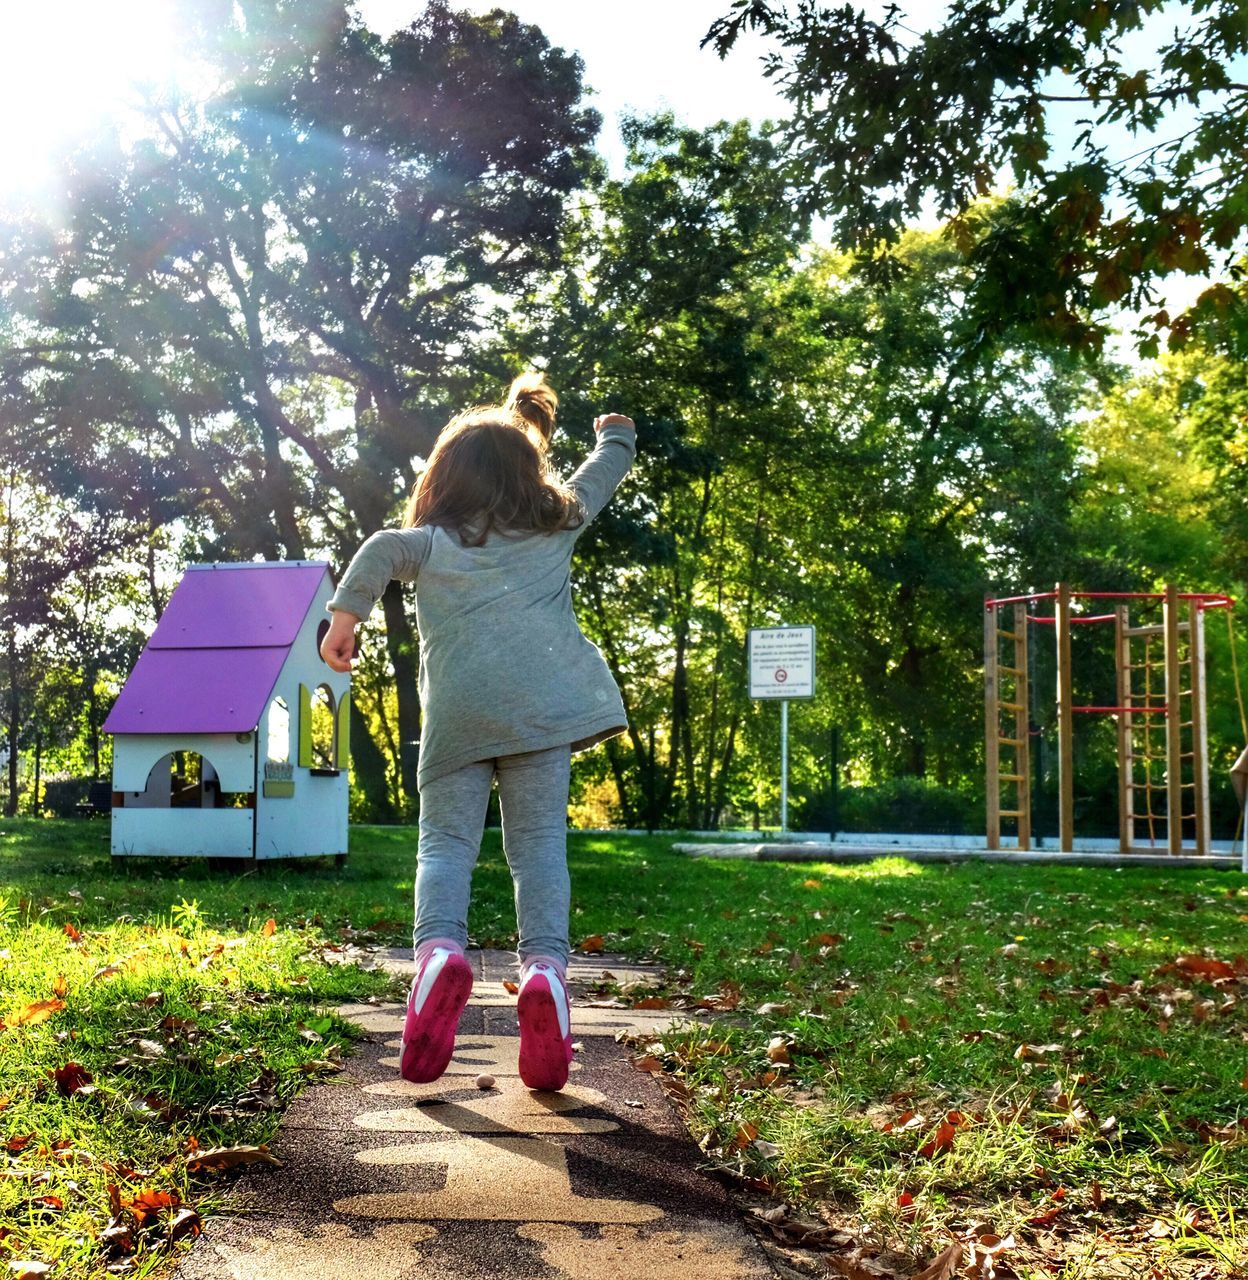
pixel 69 68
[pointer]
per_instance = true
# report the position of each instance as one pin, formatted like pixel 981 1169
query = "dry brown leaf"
pixel 270 928
pixel 109 971
pixel 1201 967
pixel 71 1078
pixel 942 1140
pixel 59 986
pixel 653 1002
pixel 231 1158
pixel 648 1062
pixel 592 945
pixel 186 1222
pixel 510 986
pixel 942 1266
pixel 151 1203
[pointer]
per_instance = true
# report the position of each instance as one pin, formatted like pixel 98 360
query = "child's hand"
pixel 613 419
pixel 338 647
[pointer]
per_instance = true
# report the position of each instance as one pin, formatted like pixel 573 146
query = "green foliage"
pixel 886 118
pixel 909 804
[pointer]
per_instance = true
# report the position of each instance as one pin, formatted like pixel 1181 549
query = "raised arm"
pixel 389 553
pixel 598 477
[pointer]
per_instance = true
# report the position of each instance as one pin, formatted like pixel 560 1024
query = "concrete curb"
pixel 864 853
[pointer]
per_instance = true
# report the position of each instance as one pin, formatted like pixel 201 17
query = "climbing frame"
pixel 1160 709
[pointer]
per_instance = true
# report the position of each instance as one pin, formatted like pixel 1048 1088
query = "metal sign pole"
pixel 784 765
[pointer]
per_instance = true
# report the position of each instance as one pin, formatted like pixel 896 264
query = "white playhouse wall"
pixel 145 825
pixel 312 820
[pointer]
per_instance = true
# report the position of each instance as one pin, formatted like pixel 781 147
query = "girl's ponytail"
pixel 534 399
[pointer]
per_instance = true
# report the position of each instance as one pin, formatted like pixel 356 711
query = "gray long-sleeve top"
pixel 504 667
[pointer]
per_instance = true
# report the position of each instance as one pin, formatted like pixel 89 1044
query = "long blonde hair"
pixel 488 470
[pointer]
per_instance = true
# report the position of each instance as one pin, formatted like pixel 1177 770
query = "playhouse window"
pixel 324 728
pixel 279 731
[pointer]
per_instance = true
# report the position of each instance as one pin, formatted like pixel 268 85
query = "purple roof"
pixel 211 664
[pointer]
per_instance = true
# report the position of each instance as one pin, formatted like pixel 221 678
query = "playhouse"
pixel 230 735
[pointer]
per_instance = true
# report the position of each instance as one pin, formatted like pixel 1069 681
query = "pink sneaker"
pixel 439 993
pixel 545 1028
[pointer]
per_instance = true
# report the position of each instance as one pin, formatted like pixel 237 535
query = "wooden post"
pixel 1065 723
pixel 1200 740
pixel 1126 764
pixel 1022 726
pixel 1174 731
pixel 992 728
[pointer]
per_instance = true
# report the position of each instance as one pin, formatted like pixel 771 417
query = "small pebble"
pixel 485 1081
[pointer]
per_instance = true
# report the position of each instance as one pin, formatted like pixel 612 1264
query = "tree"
pixel 52 589
pixel 886 118
pixel 253 320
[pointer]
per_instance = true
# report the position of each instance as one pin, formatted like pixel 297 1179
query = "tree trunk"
pixel 34 795
pixel 401 645
pixel 627 814
pixel 369 767
pixel 14 708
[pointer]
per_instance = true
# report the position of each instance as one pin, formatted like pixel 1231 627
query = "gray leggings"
pixel 533 796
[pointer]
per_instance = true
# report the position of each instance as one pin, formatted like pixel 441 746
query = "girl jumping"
pixel 509 688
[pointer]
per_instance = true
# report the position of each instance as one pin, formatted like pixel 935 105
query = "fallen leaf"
pixel 109 971
pixel 231 1158
pixel 23 1270
pixel 34 1014
pixel 592 945
pixel 942 1140
pixel 510 986
pixel 778 1050
pixel 71 1078
pixel 1201 967
pixel 653 1002
pixel 72 934
pixel 648 1062
pixel 270 928
pixel 768 1150
pixel 59 985
pixel 942 1266
pixel 150 1203
pixel 1028 1052
pixel 186 1222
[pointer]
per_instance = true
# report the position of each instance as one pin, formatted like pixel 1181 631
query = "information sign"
pixel 782 662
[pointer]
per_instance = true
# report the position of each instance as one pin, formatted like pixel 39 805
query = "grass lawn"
pixel 1049 1065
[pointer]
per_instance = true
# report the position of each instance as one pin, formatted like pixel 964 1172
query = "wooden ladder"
pixel 1173 732
pixel 1006 690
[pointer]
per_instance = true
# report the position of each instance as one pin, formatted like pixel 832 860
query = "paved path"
pixel 385 1180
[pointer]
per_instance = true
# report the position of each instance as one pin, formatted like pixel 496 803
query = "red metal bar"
pixel 1209 599
pixel 1215 598
pixel 1140 711
pixel 1078 617
pixel 1043 595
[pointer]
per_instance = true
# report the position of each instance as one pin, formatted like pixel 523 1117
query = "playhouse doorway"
pixel 185 780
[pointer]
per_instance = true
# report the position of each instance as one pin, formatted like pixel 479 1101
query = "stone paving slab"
pixel 384 1180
